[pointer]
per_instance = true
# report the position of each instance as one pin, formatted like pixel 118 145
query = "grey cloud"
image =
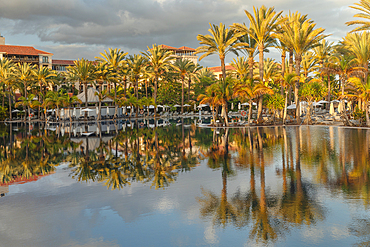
pixel 134 25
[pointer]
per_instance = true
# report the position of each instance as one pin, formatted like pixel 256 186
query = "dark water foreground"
pixel 185 186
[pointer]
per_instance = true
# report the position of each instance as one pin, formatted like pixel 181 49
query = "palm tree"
pixel 192 74
pixel 24 75
pixel 363 93
pixel 241 67
pixel 221 41
pixel 209 98
pixel 364 7
pixel 308 63
pixel 312 91
pixel 115 58
pixel 251 50
pixel 223 93
pixel 101 96
pixel 6 77
pixel 344 65
pixel 136 64
pixel 69 101
pixel 45 77
pixel 359 45
pixel 55 99
pixel 158 60
pixel 249 90
pixel 287 81
pixel 263 26
pixel 84 72
pixel 28 103
pixel 300 34
pixel 182 66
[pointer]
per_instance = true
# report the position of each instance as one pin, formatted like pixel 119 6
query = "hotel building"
pixel 25 54
pixel 182 53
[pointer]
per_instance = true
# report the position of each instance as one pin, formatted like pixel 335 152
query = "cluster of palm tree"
pixel 126 77
pixel 339 69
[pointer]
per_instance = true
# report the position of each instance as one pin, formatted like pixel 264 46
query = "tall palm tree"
pixel 182 66
pixel 44 77
pixel 302 36
pixel 249 90
pixel 28 103
pixel 115 58
pixel 251 50
pixel 221 41
pixel 223 93
pixel 287 81
pixel 55 99
pixel 84 72
pixel 363 93
pixel 209 98
pixel 159 60
pixel 344 65
pixel 359 45
pixel 364 7
pixel 241 67
pixel 263 26
pixel 136 64
pixel 101 96
pixel 69 101
pixel 6 77
pixel 192 75
pixel 25 76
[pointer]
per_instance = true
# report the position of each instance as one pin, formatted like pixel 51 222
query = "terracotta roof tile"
pixel 182 48
pixel 218 68
pixel 185 48
pixel 168 47
pixel 63 62
pixel 21 50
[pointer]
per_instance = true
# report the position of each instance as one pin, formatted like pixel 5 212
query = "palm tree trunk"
pixel 85 84
pixel 283 55
pixel 298 59
pixel 259 110
pixel 224 106
pixel 189 83
pixel 329 90
pixel 291 61
pixel 250 111
pixel 261 48
pixel 250 67
pixel 146 89
pixel 115 100
pixel 29 113
pixel 367 114
pixel 10 104
pixel 223 67
pixel 155 94
pixel 285 107
pixel 182 95
pixel 136 87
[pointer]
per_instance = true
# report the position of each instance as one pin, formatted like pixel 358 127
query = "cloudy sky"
pixel 71 29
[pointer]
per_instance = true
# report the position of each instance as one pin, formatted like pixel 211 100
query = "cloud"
pixel 134 25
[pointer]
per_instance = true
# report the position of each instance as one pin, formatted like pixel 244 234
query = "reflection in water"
pixel 286 169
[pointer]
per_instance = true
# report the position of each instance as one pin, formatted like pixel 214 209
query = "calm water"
pixel 184 186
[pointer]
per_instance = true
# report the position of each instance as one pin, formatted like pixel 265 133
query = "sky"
pixel 73 29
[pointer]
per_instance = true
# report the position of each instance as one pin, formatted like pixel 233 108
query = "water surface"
pixel 180 185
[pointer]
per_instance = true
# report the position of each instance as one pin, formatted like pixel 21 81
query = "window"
pixel 45 59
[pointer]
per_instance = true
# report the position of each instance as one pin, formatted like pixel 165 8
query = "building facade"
pixel 182 53
pixel 25 54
